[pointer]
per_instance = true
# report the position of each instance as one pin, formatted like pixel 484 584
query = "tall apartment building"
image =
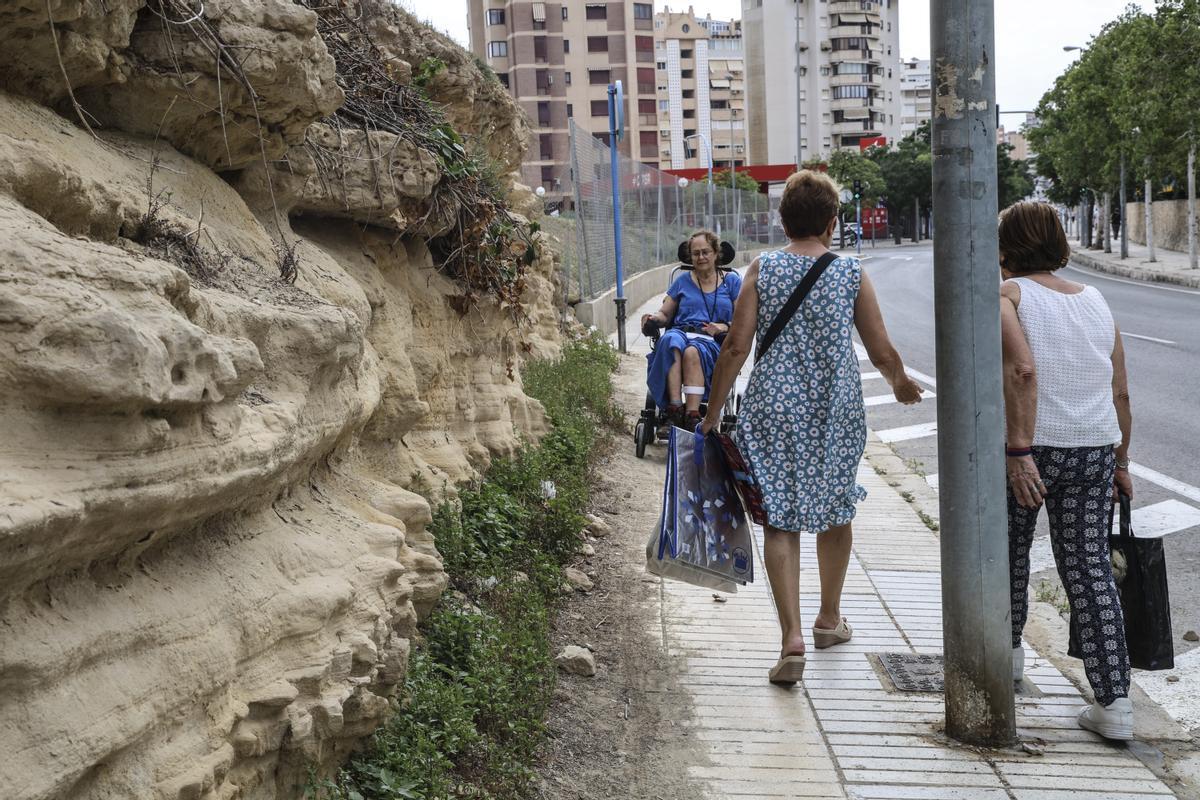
pixel 846 84
pixel 701 91
pixel 916 92
pixel 557 59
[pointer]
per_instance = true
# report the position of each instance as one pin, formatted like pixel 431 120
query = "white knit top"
pixel 1072 338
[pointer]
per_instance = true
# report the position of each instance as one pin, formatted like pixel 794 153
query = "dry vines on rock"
pixel 486 249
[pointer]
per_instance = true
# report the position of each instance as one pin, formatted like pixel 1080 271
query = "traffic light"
pixel 857 189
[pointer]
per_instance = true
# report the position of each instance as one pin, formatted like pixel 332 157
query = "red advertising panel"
pixel 877 141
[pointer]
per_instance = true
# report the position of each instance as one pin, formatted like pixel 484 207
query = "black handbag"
pixel 1140 570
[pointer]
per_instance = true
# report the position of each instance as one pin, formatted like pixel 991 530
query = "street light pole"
pixel 977 649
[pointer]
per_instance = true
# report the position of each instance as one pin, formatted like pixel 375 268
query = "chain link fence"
pixel 657 213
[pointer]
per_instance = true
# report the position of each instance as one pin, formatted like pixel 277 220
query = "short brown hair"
pixel 810 201
pixel 709 237
pixel 1032 238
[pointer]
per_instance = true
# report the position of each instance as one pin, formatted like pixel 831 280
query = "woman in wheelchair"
pixel 696 312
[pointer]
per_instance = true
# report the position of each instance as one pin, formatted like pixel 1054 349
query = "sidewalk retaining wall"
pixel 1170 223
pixel 602 312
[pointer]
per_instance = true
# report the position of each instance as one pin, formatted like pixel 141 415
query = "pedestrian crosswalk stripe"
pixel 1165 481
pixel 910 432
pixel 885 399
pixel 932 480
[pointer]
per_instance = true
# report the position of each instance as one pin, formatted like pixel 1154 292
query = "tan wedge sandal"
pixel 788 671
pixel 828 637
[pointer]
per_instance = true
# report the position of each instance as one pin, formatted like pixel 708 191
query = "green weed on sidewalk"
pixel 469 719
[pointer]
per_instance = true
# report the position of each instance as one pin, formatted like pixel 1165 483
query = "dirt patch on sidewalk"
pixel 624 732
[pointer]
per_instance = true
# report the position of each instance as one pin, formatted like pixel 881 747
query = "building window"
pixel 503 76
pixel 649 142
pixel 663 105
pixel 497 49
pixel 564 12
pixel 846 92
pixel 545 147
pixel 599 108
pixel 543 110
pixel 495 16
pixel 597 44
pixel 688 94
pixel 687 73
pixel 689 113
pixel 566 45
pixel 598 77
pixel 646 106
pixel 567 78
pixel 539 49
pixel 685 53
pixel 643 11
pixel 643 44
pixel 596 12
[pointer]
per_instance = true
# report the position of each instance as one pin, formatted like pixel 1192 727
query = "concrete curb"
pixel 1136 270
pixel 602 312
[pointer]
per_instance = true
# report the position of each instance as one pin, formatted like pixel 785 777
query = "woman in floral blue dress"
pixel 802 424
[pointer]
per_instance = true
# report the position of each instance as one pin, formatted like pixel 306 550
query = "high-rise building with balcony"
pixel 557 59
pixel 701 91
pixel 916 92
pixel 820 76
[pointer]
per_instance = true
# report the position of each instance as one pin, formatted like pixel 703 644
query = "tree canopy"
pixel 1134 91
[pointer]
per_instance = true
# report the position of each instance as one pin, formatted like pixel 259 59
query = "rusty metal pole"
pixel 974 543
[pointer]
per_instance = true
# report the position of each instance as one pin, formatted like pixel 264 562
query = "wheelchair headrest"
pixel 725 254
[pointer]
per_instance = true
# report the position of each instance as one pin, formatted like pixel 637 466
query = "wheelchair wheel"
pixel 640 437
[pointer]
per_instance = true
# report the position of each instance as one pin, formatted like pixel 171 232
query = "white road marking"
pixel 1179 697
pixel 932 480
pixel 1149 522
pixel 900 258
pixel 1132 283
pixel 861 352
pixel 1169 483
pixel 870 376
pixel 911 432
pixel 887 399
pixel 1146 338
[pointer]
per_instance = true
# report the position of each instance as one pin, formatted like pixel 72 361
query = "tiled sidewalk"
pixel 842 733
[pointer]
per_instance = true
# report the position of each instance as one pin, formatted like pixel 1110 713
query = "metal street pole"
pixel 977 632
pixel 858 222
pixel 1124 222
pixel 614 127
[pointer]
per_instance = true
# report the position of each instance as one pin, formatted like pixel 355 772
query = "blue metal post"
pixel 613 132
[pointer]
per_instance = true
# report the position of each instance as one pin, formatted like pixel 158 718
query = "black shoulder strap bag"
pixel 793 303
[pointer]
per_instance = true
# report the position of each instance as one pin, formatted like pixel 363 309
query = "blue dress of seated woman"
pixel 695 309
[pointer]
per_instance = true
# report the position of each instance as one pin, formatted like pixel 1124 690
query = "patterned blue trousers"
pixel 1079 483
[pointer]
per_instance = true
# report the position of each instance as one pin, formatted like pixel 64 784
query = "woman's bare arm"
pixel 868 319
pixel 1020 398
pixel 665 313
pixel 736 348
pixel 1124 413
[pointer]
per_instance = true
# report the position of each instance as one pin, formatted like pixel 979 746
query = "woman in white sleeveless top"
pixel 1068 417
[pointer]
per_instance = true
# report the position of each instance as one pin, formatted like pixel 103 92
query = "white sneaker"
pixel 1018 663
pixel 1114 721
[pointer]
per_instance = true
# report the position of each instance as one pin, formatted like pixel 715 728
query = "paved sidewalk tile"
pixel 844 733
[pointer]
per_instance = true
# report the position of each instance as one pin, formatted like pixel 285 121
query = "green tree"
pixel 907 170
pixel 726 178
pixel 847 166
pixel 1013 180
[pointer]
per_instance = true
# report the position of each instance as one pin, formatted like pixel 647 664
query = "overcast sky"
pixel 1030 35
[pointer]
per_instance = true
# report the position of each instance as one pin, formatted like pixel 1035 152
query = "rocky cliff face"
pixel 215 483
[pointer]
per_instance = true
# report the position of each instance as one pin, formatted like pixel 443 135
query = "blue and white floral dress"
pixel 802 425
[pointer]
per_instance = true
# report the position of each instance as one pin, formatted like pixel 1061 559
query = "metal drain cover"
pixel 914 672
